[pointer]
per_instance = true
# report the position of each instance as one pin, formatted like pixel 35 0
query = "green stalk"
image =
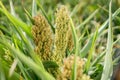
pixel 12 8
pixel 76 42
pixel 88 63
pixel 34 8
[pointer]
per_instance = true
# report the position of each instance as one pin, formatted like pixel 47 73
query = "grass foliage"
pixel 95 31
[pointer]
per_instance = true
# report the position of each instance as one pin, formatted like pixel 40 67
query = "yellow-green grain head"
pixel 62 28
pixel 42 35
pixel 66 69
